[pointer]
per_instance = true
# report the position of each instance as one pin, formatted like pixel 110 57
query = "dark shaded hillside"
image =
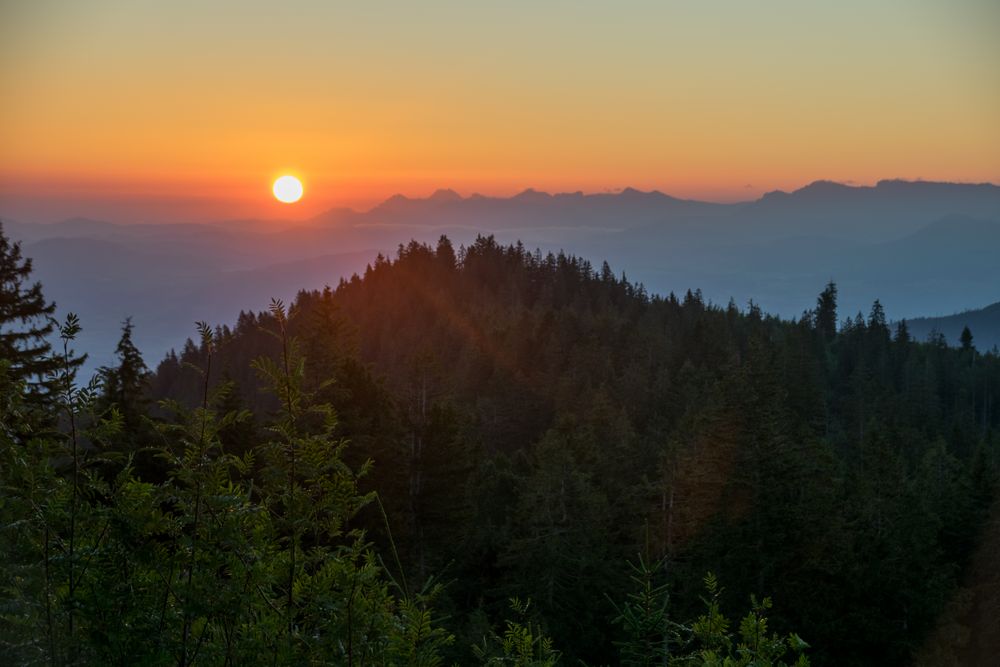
pixel 967 632
pixel 537 421
pixel 983 323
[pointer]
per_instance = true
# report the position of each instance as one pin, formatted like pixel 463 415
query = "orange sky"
pixel 188 110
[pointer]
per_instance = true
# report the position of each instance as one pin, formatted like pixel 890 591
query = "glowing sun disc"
pixel 287 189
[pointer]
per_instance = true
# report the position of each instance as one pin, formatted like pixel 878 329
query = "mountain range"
pixel 922 248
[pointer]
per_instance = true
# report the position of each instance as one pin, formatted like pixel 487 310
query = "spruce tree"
pixel 902 333
pixel 446 252
pixel 826 312
pixel 126 384
pixel 966 338
pixel 25 324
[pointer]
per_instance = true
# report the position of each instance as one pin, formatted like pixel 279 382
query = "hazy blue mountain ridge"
pixel 921 248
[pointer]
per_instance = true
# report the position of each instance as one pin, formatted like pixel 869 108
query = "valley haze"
pixel 922 248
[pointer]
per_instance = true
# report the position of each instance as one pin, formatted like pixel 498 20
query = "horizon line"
pixel 447 195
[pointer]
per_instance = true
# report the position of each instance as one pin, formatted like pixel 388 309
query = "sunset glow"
pixel 111 105
pixel 641 314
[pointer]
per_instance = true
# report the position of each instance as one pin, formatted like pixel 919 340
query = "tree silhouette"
pixel 966 338
pixel 25 324
pixel 826 312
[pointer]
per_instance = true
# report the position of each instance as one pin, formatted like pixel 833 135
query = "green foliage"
pixel 535 421
pixel 522 643
pixel 125 388
pixel 644 617
pixel 754 645
pixel 526 423
pixel 232 559
pixel 418 640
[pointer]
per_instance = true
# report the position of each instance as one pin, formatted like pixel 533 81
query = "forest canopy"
pixel 490 455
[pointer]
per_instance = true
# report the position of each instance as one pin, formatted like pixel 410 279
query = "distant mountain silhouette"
pixel 984 324
pixel 878 213
pixel 445 194
pixel 920 247
pixel 530 208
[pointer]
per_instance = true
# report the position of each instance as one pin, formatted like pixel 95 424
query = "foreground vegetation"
pixel 458 456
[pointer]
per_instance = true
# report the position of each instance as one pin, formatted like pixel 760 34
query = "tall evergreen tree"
pixel 25 324
pixel 966 338
pixel 446 252
pixel 826 312
pixel 126 384
pixel 876 319
pixel 902 333
pixel 124 397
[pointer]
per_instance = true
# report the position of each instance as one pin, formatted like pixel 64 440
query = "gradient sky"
pixel 143 110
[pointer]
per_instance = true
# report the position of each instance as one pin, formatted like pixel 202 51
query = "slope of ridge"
pixel 984 323
pixel 967 632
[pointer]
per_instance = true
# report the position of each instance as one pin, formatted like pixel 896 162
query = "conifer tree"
pixel 25 323
pixel 649 631
pixel 446 252
pixel 876 319
pixel 902 333
pixel 125 385
pixel 826 312
pixel 966 338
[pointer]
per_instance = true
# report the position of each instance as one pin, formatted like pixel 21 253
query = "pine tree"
pixel 649 632
pixel 876 319
pixel 125 398
pixel 966 338
pixel 826 312
pixel 446 252
pixel 902 333
pixel 126 384
pixel 25 324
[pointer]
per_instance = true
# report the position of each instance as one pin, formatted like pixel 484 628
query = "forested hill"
pixel 536 422
pixel 983 324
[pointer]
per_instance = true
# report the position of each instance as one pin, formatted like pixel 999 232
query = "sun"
pixel 287 189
